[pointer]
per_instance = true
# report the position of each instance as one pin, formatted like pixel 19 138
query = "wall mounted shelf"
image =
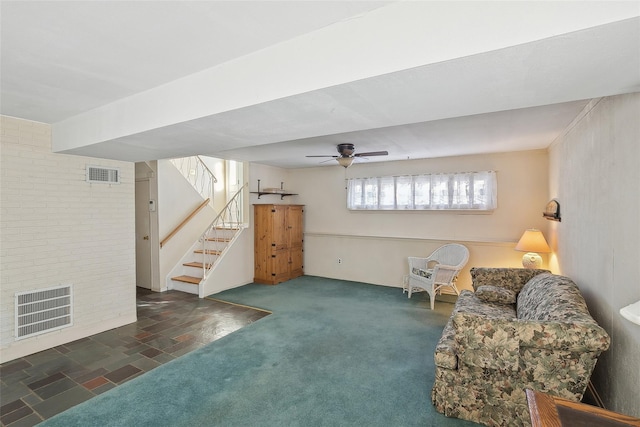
pixel 282 195
pixel 273 192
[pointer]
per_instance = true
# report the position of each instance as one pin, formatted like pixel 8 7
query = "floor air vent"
pixel 103 175
pixel 43 311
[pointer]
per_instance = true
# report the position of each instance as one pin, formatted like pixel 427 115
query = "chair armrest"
pixel 445 273
pixel 417 262
pixel 446 267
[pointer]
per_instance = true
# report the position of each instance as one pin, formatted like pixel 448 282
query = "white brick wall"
pixel 57 229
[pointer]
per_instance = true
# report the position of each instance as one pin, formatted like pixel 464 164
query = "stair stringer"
pixel 179 269
pixel 234 269
pixel 216 260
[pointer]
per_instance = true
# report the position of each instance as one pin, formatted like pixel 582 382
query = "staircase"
pixel 198 174
pixel 196 265
pixel 203 259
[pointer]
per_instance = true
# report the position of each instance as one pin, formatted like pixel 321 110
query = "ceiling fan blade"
pixel 328 160
pixel 323 156
pixel 372 153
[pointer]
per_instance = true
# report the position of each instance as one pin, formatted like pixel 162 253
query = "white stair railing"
pixel 198 174
pixel 221 231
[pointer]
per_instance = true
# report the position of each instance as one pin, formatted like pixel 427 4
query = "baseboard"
pixel 39 343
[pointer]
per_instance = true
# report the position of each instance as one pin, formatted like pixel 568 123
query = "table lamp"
pixel 532 242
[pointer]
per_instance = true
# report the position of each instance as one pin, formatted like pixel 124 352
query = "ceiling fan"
pixel 347 155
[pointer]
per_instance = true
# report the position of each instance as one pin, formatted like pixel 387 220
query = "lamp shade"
pixel 533 241
pixel 345 161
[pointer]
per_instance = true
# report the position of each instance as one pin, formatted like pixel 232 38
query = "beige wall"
pixel 522 194
pixel 58 229
pixel 374 246
pixel 594 174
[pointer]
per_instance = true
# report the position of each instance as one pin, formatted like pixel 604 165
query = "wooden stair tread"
pixel 208 252
pixel 219 239
pixel 188 279
pixel 195 264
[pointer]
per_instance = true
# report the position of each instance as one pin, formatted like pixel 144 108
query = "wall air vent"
pixel 103 175
pixel 43 311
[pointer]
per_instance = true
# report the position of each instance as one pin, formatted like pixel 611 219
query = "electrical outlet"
pixel 339 260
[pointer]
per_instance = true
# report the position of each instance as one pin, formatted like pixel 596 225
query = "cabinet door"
pixel 261 244
pixel 278 232
pixel 295 226
pixel 295 262
pixel 279 266
pixel 277 243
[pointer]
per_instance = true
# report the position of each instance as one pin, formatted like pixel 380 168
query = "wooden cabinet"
pixel 552 411
pixel 278 243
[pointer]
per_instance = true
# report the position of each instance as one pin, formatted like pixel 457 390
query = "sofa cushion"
pixel 421 272
pixel 509 278
pixel 551 297
pixel 469 303
pixel 489 293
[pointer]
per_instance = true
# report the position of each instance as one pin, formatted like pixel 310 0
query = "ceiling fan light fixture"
pixel 346 155
pixel 345 162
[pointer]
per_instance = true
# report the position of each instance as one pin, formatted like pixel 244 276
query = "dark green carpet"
pixel 333 353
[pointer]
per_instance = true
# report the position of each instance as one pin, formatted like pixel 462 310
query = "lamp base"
pixel 531 260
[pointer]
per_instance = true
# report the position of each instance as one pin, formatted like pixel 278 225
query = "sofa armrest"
pixel 571 336
pixel 486 342
pixel 495 343
pixel 510 278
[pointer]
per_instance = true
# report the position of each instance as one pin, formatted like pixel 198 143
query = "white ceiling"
pixel 271 82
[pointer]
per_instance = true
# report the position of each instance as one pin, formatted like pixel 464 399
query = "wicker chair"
pixel 438 270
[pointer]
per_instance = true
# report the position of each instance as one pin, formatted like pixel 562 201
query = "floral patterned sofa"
pixel 520 329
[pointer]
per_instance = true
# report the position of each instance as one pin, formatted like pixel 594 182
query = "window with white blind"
pixel 450 191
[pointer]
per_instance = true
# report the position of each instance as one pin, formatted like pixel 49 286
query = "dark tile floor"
pixel 170 324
